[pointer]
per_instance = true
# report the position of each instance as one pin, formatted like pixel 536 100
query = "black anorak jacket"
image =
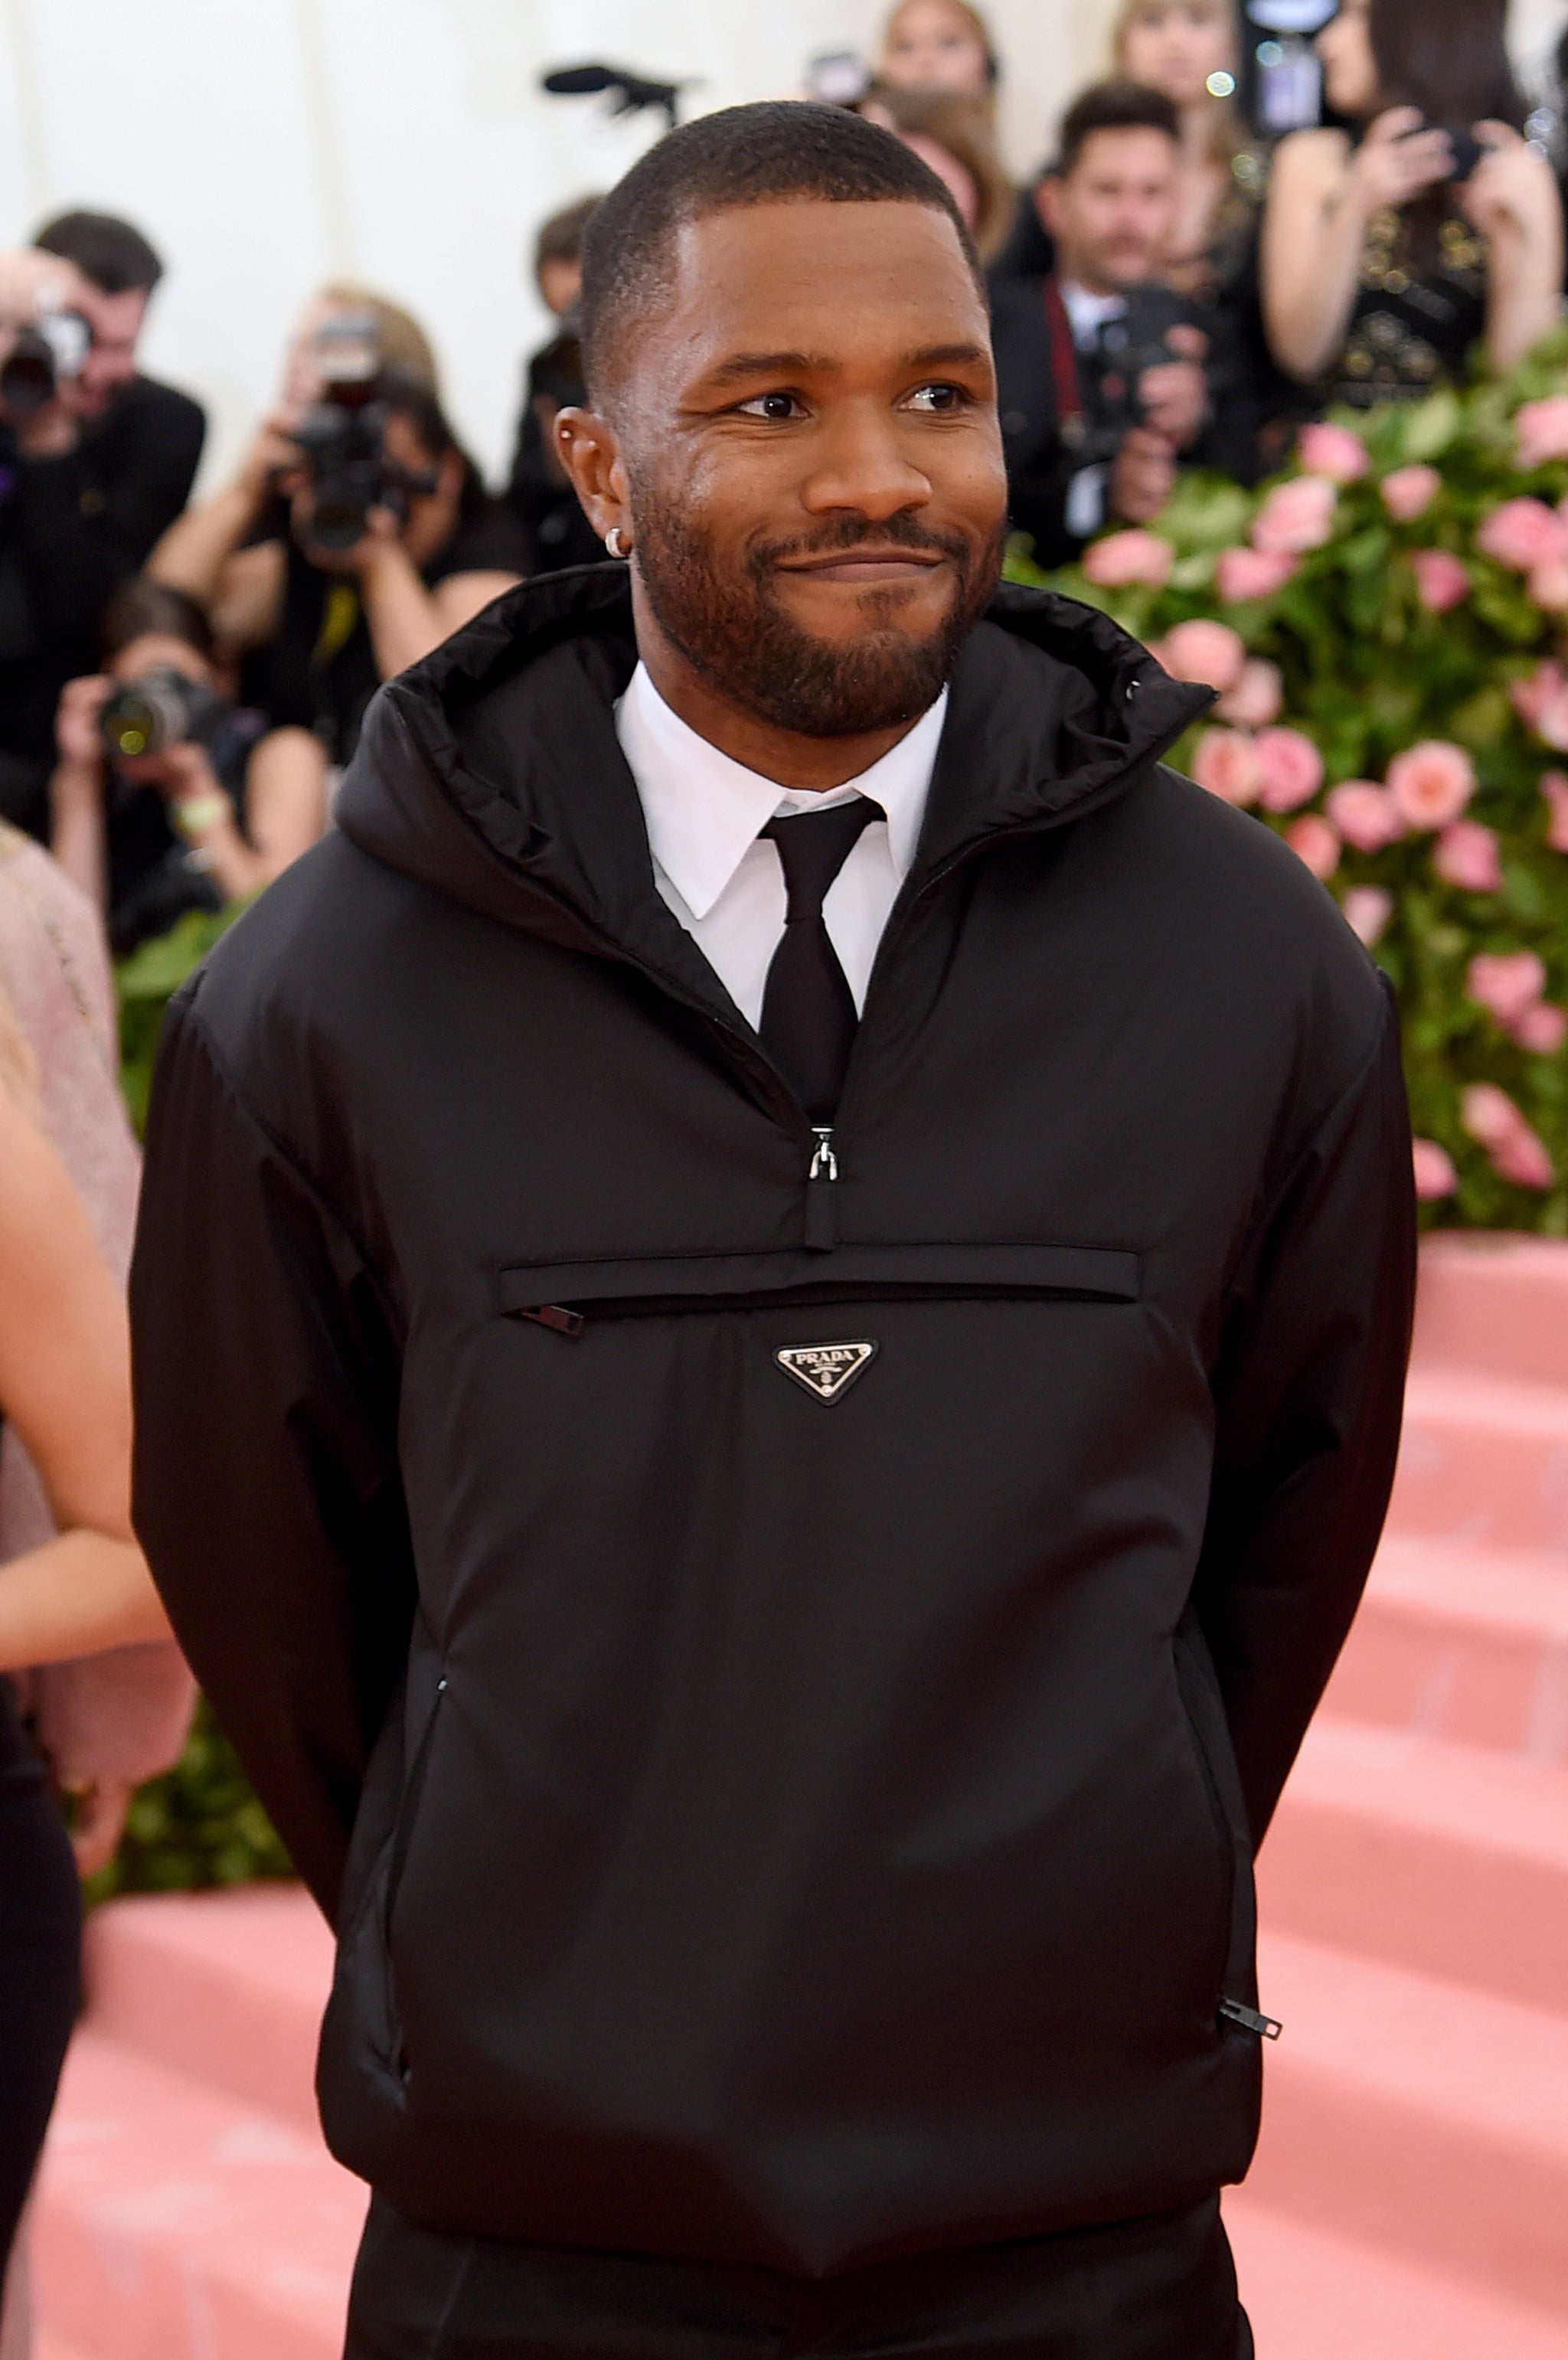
pixel 788 1810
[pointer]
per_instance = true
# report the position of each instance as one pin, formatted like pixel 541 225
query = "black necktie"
pixel 808 1009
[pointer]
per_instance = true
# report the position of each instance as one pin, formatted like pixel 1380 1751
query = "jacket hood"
pixel 492 773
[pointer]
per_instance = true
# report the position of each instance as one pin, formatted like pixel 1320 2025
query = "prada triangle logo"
pixel 825 1370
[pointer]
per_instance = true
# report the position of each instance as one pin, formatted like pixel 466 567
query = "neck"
pixel 788 756
pixel 1198 133
pixel 1091 282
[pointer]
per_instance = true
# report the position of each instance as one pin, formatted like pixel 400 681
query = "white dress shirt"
pixel 721 876
pixel 1087 315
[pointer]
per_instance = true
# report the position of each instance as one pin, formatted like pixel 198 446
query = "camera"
pixel 55 347
pixel 1129 346
pixel 163 708
pixel 343 438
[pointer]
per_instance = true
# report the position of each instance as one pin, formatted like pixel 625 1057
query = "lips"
pixel 865 564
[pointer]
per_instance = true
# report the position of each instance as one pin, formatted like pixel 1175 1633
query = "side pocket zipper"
pixel 1267 2028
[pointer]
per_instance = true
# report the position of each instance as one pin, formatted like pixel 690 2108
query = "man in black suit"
pixel 1106 384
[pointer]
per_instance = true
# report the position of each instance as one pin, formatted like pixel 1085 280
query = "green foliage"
pixel 1367 672
pixel 198 1826
pixel 146 982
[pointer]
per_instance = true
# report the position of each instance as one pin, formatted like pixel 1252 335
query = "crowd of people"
pixel 182 684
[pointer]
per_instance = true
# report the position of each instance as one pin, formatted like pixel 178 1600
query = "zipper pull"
pixel 556 1316
pixel 1249 2019
pixel 824 1162
pixel 822 1228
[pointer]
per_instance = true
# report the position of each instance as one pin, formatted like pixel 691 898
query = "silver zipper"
pixel 824 1162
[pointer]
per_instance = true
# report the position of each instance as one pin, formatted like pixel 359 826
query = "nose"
pixel 860 463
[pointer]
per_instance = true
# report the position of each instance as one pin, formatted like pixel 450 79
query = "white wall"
pixel 265 144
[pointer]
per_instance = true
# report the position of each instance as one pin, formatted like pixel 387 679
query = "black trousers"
pixel 1163 2288
pixel 40 1961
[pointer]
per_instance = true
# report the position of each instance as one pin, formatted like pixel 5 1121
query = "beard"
pixel 738 633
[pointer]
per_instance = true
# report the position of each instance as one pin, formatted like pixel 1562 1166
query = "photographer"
pixel 1105 383
pixel 210 811
pixel 356 537
pixel 95 461
pixel 1387 256
pixel 557 531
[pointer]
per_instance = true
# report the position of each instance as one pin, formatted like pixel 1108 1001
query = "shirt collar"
pixel 1089 313
pixel 704 812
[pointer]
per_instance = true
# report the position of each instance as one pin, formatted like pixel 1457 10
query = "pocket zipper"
pixel 1267 2028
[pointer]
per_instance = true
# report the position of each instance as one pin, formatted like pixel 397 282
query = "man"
pixel 1106 380
pixel 89 479
pixel 539 489
pixel 785 1271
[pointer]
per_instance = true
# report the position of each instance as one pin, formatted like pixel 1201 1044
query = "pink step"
pixel 1464 1642
pixel 1484 1460
pixel 1499 1303
pixel 226 1987
pixel 1311 2295
pixel 1419 2118
pixel 173 2222
pixel 1452 1860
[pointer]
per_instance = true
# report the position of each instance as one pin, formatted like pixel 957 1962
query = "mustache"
pixel 858 533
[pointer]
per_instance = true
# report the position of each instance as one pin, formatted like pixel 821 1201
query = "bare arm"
pixel 286 810
pixel 1321 198
pixel 1512 199
pixel 65 1386
pixel 201 553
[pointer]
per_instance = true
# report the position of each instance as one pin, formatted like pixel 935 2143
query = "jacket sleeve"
pixel 266 1488
pixel 1309 1394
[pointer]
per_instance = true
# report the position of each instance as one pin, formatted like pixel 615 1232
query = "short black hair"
pixel 1112 106
pixel 140 605
pixel 777 151
pixel 561 237
pixel 117 257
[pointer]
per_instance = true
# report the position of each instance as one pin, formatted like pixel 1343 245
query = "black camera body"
pixel 1129 346
pixel 350 471
pixel 160 709
pixel 54 346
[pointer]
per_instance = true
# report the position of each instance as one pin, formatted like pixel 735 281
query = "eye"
pixel 937 401
pixel 776 408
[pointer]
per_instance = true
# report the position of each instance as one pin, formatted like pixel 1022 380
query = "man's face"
pixel 1113 216
pixel 809 436
pixel 116 324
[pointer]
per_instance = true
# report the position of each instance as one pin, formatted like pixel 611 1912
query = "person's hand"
pixel 1143 477
pixel 379 546
pixel 76 721
pixel 273 460
pixel 1512 193
pixel 1175 395
pixel 97 1824
pixel 181 773
pixel 1399 159
pixel 31 282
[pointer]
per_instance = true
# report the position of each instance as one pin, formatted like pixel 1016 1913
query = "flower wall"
pixel 1385 626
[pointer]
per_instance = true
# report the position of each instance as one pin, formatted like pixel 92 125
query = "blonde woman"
pixel 1189 50
pixel 74 1582
pixel 938 45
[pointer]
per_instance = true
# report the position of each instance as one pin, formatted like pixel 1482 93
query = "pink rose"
pixel 1409 492
pixel 1364 815
pixel 1430 783
pixel 1542 428
pixel 1442 581
pixel 1292 771
pixel 1333 451
pixel 1209 652
pixel 1513 1149
pixel 1367 909
pixel 1124 559
pixel 1506 983
pixel 1467 854
pixel 1521 535
pixel 1542 1029
pixel 1533 696
pixel 1296 516
pixel 1436 1175
pixel 1226 763
pixel 1312 840
pixel 1549 585
pixel 1552 727
pixel 1257 697
pixel 1555 788
pixel 1249 573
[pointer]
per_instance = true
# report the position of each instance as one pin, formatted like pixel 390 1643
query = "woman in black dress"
pixel 1389 257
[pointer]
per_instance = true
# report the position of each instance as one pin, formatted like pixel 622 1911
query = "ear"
pixel 1048 204
pixel 590 453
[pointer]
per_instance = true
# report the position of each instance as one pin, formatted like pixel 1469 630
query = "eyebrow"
pixel 750 365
